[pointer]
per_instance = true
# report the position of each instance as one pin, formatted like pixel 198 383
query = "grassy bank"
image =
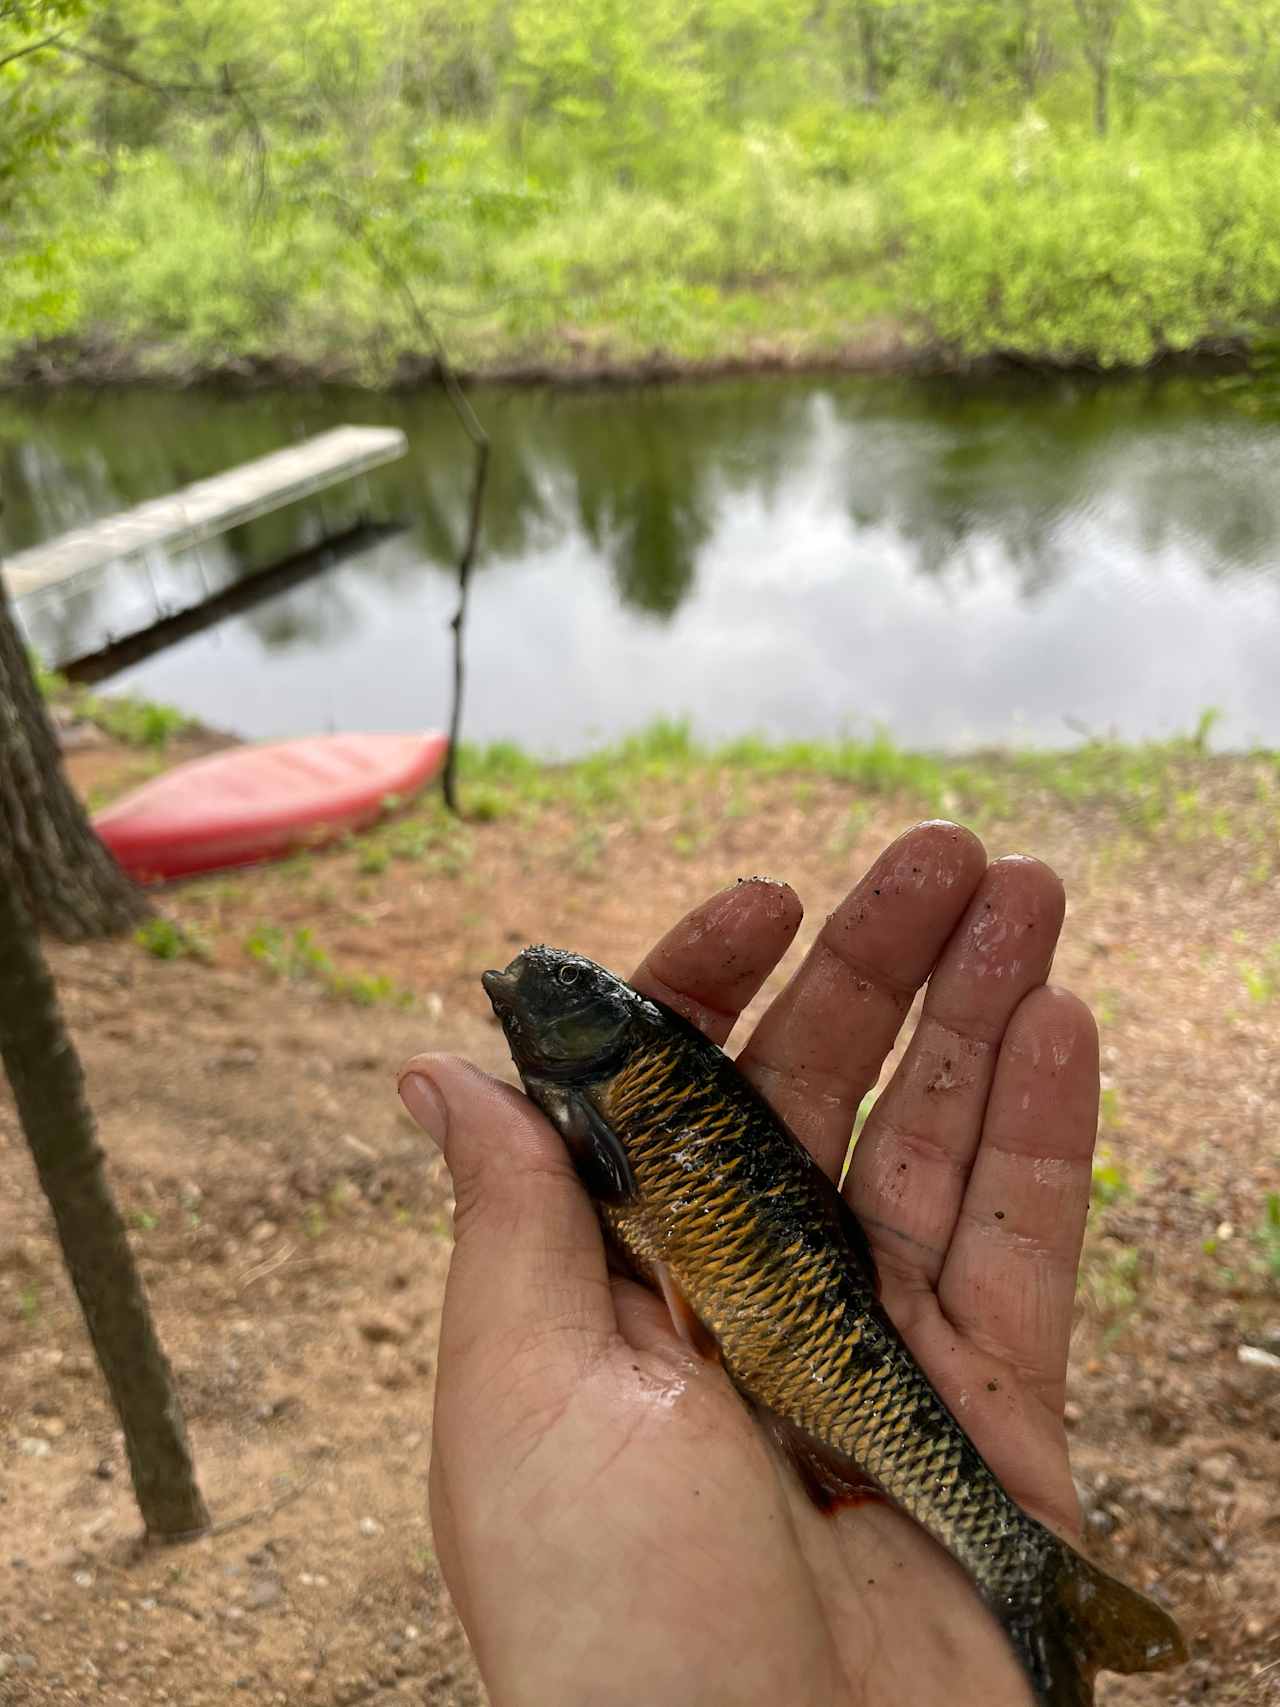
pixel 1175 794
pixel 867 242
pixel 703 181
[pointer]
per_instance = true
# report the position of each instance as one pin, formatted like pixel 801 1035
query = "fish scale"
pixel 807 1339
pixel 708 1195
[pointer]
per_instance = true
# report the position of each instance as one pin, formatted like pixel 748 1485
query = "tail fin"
pixel 1088 1622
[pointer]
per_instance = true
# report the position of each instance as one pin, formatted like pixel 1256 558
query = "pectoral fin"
pixel 685 1321
pixel 598 1155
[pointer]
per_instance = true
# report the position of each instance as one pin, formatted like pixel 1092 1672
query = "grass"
pixel 296 955
pixel 1111 1183
pixel 1265 1238
pixel 1258 1259
pixel 132 721
pixel 1114 1279
pixel 1261 978
pixel 166 940
pixel 1154 789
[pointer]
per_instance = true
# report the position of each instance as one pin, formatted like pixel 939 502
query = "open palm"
pixel 611 1522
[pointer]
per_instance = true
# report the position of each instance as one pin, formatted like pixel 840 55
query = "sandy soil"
pixel 294 1234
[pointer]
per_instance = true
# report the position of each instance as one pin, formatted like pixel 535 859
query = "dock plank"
pixel 207 508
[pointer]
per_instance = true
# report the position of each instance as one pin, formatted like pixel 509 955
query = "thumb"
pixel 528 1277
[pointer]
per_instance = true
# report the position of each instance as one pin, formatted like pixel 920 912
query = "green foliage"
pixel 1261 1261
pixel 135 722
pixel 1114 1280
pixel 1262 977
pixel 299 957
pixel 1266 1239
pixel 166 940
pixel 339 183
pixel 1110 1182
pixel 1151 788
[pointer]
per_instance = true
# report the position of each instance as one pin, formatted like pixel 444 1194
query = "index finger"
pixel 710 965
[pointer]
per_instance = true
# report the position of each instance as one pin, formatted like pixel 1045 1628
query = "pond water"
pixel 961 564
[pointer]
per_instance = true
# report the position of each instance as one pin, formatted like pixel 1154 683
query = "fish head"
pixel 565 1018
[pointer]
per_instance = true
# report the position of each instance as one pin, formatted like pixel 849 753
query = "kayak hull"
pixel 264 802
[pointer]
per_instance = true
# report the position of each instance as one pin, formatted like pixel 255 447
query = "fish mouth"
pixel 500 987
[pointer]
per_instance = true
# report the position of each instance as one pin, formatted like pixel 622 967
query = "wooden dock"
pixel 165 532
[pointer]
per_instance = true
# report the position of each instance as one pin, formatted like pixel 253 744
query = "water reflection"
pixel 784 555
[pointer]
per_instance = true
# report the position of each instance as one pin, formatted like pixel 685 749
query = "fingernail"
pixel 426 1105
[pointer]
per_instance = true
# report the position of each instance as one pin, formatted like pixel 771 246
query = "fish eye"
pixel 568 974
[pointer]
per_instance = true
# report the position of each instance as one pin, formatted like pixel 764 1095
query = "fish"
pixel 706 1195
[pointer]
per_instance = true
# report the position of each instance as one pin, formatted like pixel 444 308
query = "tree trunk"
pixel 1101 95
pixel 48 1086
pixel 70 884
pixel 1030 49
pixel 869 51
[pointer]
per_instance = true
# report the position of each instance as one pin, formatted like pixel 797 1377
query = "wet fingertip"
pixel 1055 1019
pixel 1025 862
pixel 958 840
pixel 780 899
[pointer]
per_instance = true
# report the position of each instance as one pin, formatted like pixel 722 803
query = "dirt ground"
pixel 293 1229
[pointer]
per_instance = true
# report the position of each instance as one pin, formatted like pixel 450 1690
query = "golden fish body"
pixel 706 1192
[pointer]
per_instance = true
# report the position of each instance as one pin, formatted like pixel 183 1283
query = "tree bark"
pixel 1102 96
pixel 69 883
pixel 48 1086
pixel 869 51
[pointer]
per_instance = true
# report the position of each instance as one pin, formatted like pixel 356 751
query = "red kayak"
pixel 262 802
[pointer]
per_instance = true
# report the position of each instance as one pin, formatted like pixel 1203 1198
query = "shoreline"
pixel 68 364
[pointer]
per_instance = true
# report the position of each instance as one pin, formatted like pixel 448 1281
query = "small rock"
pixel 147 1603
pixel 1254 1357
pixel 33 1447
pixel 384 1327
pixel 1219 1469
pixel 83 1579
pixel 263 1231
pixel 104 1469
pixel 53 1427
pixel 1072 1414
pixel 369 1526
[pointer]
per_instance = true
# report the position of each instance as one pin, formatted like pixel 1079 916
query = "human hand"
pixel 611 1522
